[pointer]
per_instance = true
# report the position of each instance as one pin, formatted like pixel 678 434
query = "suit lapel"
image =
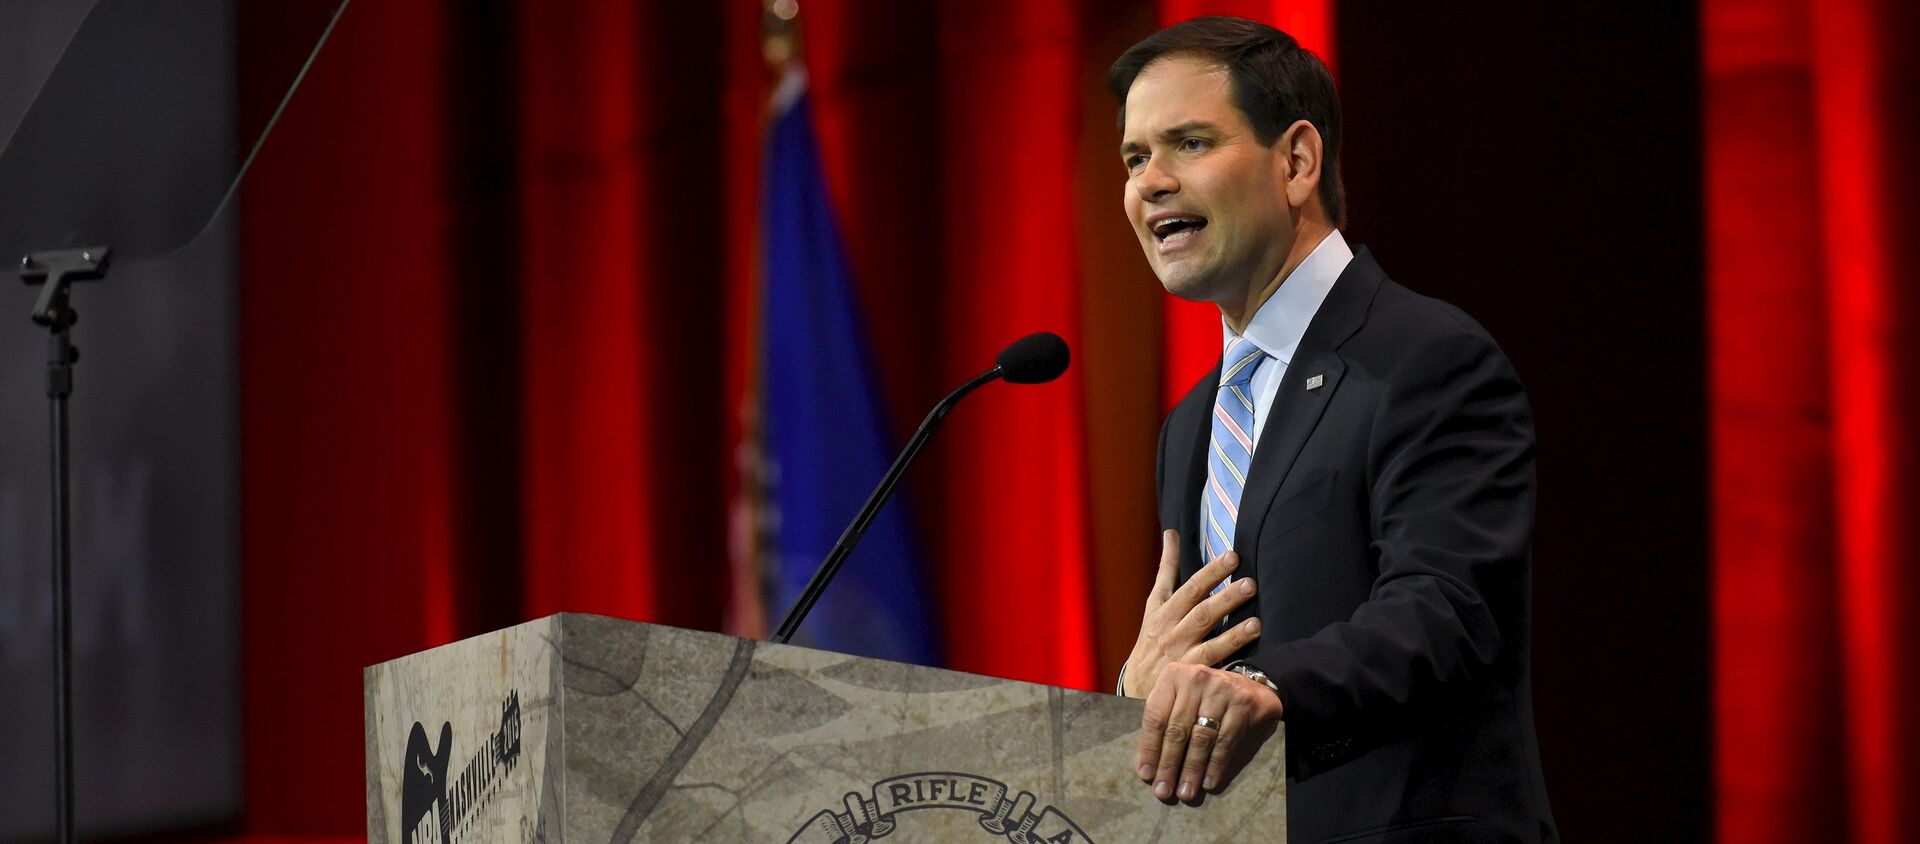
pixel 1187 467
pixel 1296 409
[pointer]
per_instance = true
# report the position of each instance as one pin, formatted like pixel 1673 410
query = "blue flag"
pixel 826 439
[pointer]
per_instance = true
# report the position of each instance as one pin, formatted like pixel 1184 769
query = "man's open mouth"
pixel 1173 230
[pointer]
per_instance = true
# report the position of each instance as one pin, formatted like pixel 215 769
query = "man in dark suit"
pixel 1363 455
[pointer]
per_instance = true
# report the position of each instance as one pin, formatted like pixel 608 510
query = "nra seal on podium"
pixel 870 816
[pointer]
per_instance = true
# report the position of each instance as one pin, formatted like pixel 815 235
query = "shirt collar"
pixel 1282 320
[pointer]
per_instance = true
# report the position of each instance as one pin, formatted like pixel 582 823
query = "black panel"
pixel 154 448
pixel 1539 166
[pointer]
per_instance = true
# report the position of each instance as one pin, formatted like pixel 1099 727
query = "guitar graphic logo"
pixel 436 811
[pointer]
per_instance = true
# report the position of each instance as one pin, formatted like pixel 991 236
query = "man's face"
pixel 1207 201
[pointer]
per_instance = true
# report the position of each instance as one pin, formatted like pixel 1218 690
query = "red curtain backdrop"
pixel 347 410
pixel 498 303
pixel 588 182
pixel 1012 533
pixel 1811 272
pixel 497 288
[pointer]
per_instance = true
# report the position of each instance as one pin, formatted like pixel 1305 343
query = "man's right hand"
pixel 1179 624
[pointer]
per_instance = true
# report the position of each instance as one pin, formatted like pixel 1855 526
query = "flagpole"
pixel 750 536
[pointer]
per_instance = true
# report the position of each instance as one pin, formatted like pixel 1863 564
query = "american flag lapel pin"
pixel 1314 382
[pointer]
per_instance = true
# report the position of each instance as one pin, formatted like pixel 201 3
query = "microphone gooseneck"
pixel 1033 359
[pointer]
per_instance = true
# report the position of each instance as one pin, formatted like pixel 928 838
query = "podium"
pixel 582 728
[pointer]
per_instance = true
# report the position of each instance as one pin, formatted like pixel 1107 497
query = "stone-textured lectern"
pixel 580 728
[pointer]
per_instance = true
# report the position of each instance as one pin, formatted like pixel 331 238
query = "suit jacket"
pixel 1387 520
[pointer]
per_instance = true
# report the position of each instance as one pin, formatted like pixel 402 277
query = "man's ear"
pixel 1302 145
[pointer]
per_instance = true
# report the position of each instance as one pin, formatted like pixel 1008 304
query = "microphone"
pixel 1033 359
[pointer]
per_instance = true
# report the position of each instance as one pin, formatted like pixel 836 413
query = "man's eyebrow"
pixel 1172 133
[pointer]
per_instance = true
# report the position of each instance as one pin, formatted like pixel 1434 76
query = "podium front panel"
pixel 586 728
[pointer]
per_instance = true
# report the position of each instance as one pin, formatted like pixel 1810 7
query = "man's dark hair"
pixel 1272 80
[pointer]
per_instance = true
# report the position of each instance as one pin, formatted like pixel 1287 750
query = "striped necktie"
pixel 1231 451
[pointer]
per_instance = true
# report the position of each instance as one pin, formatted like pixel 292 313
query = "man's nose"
pixel 1155 181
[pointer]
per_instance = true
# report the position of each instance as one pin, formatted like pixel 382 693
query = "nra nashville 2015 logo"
pixel 869 817
pixel 434 810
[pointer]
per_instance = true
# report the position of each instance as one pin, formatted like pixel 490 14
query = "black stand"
pixel 55 270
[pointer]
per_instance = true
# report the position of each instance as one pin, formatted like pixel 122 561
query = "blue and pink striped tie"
pixel 1231 450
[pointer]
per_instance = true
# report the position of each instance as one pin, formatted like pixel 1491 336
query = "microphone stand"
pixel 55 270
pixel 843 548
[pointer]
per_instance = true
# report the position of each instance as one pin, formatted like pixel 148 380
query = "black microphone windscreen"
pixel 1034 359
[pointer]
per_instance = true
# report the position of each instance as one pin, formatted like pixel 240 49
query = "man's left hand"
pixel 1180 754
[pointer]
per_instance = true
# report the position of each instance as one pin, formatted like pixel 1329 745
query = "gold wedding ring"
pixel 1204 721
